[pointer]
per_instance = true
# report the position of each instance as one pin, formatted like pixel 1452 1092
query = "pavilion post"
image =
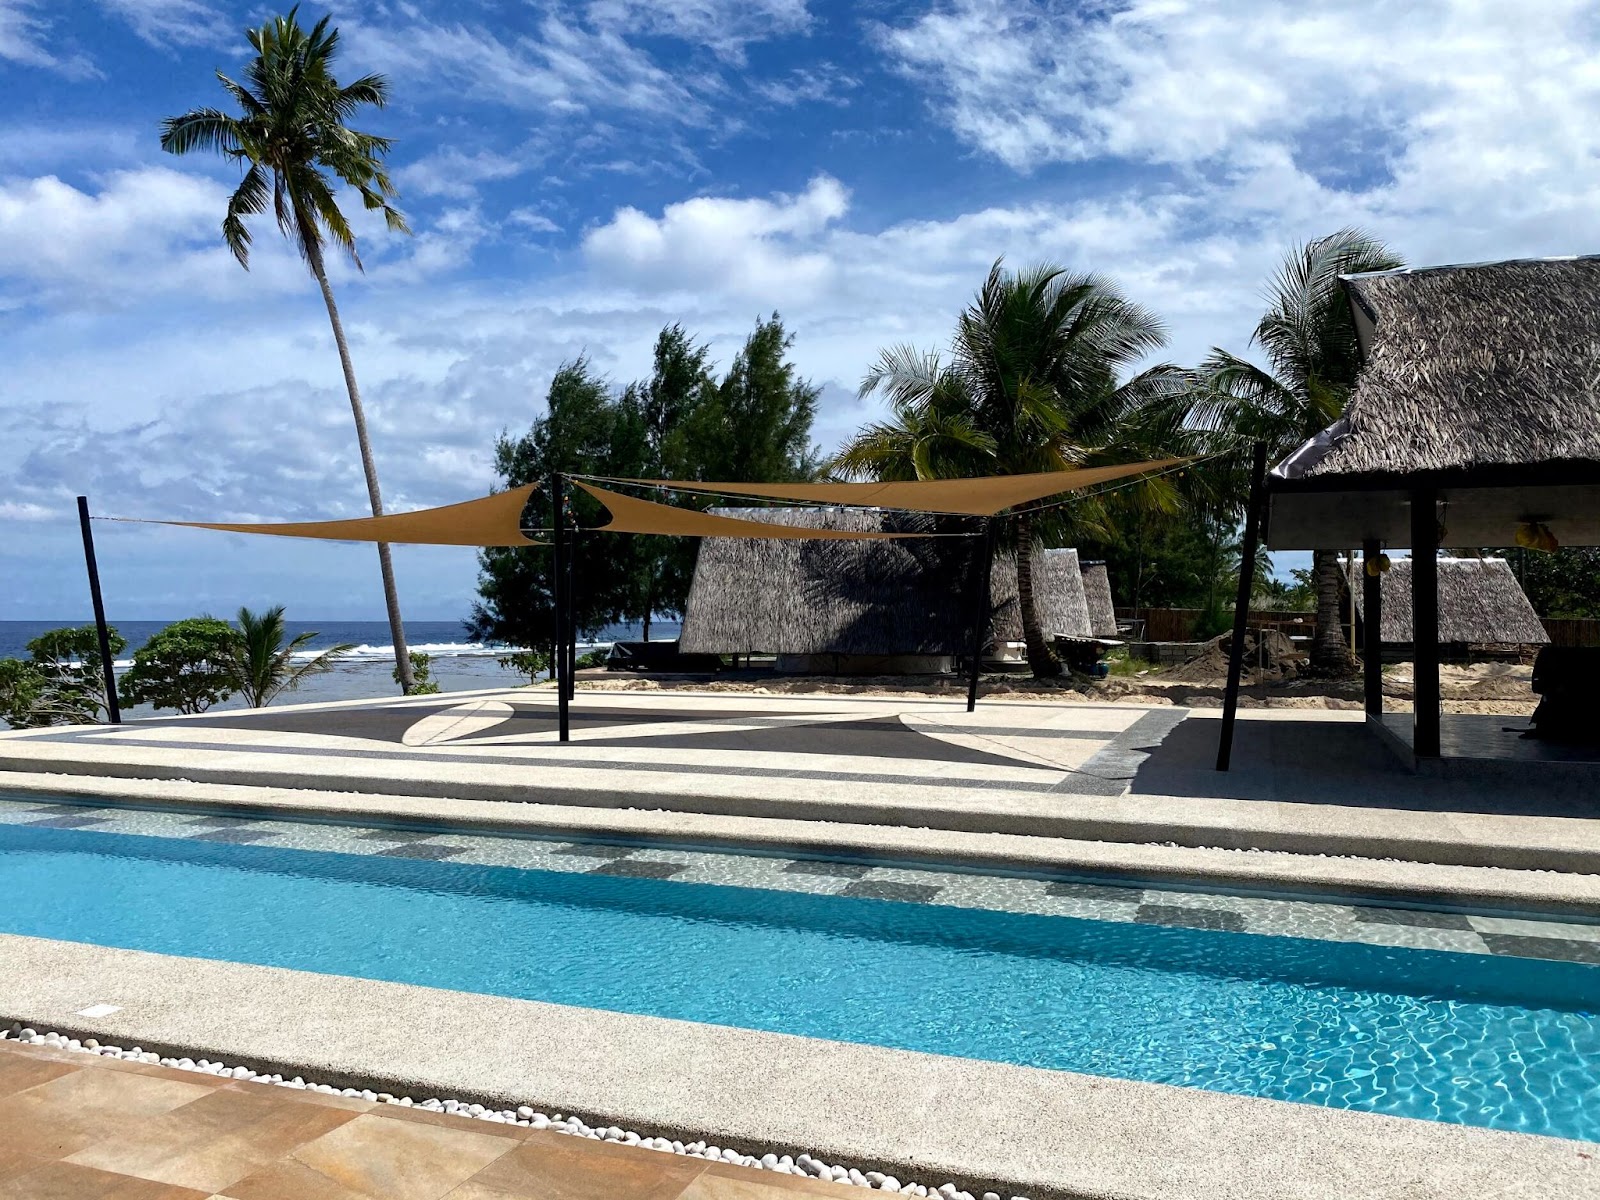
pixel 558 593
pixel 982 604
pixel 107 665
pixel 1241 610
pixel 1372 626
pixel 1425 623
pixel 569 643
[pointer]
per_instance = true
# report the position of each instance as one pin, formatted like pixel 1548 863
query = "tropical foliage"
pixel 293 140
pixel 263 665
pixel 1032 383
pixel 186 666
pixel 60 683
pixel 422 681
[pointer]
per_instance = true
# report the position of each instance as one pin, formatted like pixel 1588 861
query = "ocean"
pixel 363 673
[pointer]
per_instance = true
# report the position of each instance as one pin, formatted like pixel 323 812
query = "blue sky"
pixel 580 174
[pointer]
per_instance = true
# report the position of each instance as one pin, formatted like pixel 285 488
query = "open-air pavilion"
pixel 1475 422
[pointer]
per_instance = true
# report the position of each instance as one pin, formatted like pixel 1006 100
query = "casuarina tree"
pixel 293 141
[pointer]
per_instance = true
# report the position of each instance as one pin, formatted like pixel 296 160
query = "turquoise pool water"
pixel 1474 1039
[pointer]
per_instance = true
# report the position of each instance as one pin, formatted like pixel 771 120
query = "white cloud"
pixel 725 26
pixel 821 84
pixel 170 23
pixel 753 247
pixel 23 34
pixel 455 174
pixel 532 220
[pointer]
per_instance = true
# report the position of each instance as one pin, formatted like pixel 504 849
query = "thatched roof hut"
pixel 906 598
pixel 1097 591
pixel 1480 602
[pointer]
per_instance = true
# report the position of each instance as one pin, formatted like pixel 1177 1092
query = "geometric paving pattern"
pixel 1520 937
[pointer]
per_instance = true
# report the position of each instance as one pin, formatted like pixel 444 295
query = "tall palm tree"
pixel 1308 338
pixel 1031 385
pixel 292 139
pixel 262 665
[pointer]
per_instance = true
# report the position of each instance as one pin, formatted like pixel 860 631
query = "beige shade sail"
pixel 492 521
pixel 632 515
pixel 982 497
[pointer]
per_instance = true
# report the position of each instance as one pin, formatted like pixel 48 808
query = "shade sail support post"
pixel 107 664
pixel 558 595
pixel 1372 626
pixel 569 643
pixel 1241 609
pixel 1425 623
pixel 982 573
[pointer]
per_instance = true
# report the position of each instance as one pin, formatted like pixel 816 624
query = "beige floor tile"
pixel 68 1113
pixel 727 1182
pixel 287 1179
pixel 215 1140
pixel 19 1072
pixel 554 1166
pixel 68 1181
pixel 400 1160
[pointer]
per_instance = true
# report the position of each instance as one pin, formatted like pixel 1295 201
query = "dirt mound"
pixel 1269 657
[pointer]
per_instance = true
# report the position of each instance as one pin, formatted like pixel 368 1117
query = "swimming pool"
pixel 1509 1043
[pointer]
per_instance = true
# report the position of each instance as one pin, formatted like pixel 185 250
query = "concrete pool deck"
pixel 1049 1135
pixel 1305 783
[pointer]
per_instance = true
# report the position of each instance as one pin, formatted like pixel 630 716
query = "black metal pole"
pixel 1372 627
pixel 569 644
pixel 1241 611
pixel 558 592
pixel 982 606
pixel 107 666
pixel 1425 700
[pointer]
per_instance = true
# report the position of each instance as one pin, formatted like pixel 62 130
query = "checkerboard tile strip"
pixel 1142 904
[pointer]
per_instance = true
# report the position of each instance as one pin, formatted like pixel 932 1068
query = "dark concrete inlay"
pixel 889 889
pixel 1189 918
pixel 418 850
pixel 1559 949
pixel 595 850
pixel 1095 891
pixel 639 868
pixel 222 821
pixel 67 822
pixel 394 835
pixel 238 836
pixel 839 870
pixel 1416 918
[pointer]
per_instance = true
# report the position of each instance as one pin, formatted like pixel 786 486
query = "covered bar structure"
pixel 1475 422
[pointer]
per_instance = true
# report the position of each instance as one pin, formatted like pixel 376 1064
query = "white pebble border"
pixel 800 1164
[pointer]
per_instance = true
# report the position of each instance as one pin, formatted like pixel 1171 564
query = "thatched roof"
pixel 1479 601
pixel 1097 591
pixel 1484 366
pixel 881 598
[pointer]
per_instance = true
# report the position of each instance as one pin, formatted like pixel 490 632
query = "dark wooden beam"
pixel 1425 623
pixel 1372 627
pixel 1241 611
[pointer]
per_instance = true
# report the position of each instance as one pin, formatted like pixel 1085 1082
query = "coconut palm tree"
pixel 296 149
pixel 262 665
pixel 1031 385
pixel 1308 338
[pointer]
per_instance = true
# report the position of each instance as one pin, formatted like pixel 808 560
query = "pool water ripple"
pixel 1466 1038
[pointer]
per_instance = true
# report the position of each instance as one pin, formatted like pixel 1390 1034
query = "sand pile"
pixel 1269 657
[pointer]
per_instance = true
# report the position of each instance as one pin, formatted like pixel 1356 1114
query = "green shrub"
pixel 187 666
pixel 422 683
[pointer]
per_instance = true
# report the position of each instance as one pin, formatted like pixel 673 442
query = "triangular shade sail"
pixel 492 521
pixel 632 515
pixel 969 497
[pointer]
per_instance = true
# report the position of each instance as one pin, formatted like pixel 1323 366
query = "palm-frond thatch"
pixel 1490 365
pixel 1097 591
pixel 906 597
pixel 1480 602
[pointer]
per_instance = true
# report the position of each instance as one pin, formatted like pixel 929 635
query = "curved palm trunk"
pixel 1330 655
pixel 391 598
pixel 1041 657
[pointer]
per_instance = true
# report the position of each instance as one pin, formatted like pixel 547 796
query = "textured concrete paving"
pixel 1314 783
pixel 1046 1134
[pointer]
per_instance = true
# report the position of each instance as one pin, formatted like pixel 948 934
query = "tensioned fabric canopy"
pixel 982 497
pixel 629 514
pixel 492 521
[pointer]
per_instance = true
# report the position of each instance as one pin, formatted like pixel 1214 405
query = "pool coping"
pixel 1281 874
pixel 1050 1135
